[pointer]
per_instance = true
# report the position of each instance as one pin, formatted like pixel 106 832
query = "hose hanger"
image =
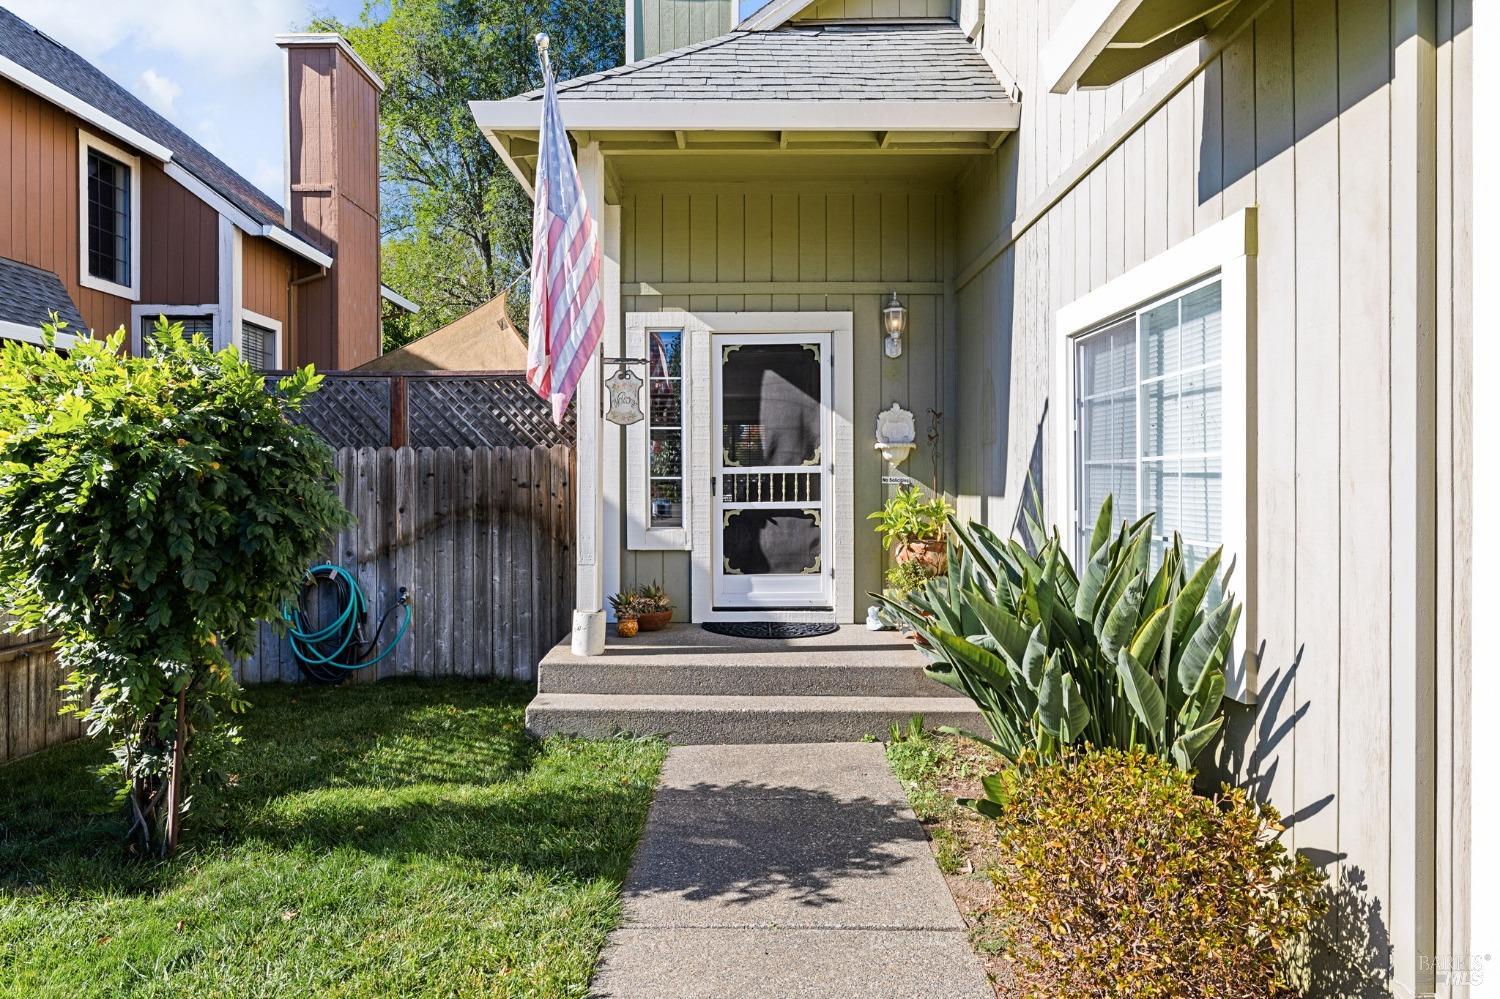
pixel 329 652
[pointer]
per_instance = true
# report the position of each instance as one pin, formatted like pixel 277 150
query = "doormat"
pixel 769 629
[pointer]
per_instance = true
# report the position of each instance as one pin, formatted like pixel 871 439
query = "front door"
pixel 770 484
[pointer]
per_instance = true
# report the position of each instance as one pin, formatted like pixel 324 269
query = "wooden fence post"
pixel 398 411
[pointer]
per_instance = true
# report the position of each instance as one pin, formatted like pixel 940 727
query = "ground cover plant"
pixel 153 510
pixel 386 839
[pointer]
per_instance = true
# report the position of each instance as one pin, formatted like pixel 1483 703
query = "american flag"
pixel 567 310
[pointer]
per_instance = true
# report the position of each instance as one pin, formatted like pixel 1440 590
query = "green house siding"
pixel 796 247
pixel 663 25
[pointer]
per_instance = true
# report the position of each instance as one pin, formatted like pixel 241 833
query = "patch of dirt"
pixel 964 843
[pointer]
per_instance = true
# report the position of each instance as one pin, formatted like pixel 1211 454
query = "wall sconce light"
pixel 624 387
pixel 894 315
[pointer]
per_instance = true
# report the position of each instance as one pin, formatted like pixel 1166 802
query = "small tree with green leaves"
pixel 152 511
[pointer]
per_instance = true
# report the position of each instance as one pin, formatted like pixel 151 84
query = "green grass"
pixel 397 839
pixel 935 771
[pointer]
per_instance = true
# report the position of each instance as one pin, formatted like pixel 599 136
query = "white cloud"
pixel 234 36
pixel 158 91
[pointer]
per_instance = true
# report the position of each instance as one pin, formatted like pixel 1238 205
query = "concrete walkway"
pixel 786 870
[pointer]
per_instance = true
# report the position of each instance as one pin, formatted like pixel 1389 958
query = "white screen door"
pixel 773 449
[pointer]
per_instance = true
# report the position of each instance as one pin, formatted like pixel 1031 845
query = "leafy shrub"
pixel 910 516
pixel 153 510
pixel 1117 880
pixel 1120 654
pixel 903 577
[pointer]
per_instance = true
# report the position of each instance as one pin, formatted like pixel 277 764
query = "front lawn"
pixel 391 839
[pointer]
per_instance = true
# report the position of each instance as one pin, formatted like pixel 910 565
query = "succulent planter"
pixel 626 627
pixel 655 621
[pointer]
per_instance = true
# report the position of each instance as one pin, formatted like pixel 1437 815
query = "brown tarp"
pixel 483 340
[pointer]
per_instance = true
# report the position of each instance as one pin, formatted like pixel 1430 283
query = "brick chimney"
pixel 333 195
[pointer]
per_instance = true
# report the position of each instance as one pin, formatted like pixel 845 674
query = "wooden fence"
pixel 482 537
pixel 29 697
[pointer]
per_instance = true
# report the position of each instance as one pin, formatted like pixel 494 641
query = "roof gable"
pixel 65 69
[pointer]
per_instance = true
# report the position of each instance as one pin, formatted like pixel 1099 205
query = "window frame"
pixel 265 322
pixel 640 535
pixel 144 312
pixel 1227 250
pixel 86 142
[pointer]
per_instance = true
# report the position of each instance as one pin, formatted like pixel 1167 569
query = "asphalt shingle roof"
pixel 64 68
pixel 910 62
pixel 28 295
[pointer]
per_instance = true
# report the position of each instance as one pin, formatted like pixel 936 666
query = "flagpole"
pixel 588 613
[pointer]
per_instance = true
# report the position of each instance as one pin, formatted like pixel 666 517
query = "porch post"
pixel 588 612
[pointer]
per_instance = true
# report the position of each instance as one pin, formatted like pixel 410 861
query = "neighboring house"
pixel 481 340
pixel 1211 258
pixel 114 216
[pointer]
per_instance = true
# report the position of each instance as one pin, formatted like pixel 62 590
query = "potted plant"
pixel 900 580
pixel 626 605
pixel 654 607
pixel 916 526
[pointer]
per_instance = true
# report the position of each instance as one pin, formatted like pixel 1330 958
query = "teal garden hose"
pixel 330 652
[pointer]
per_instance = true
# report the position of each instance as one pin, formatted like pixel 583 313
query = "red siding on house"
pixel 39 195
pixel 268 271
pixel 335 190
pixel 179 243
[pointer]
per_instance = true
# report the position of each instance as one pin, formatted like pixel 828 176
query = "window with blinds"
pixel 1148 391
pixel 191 326
pixel 258 345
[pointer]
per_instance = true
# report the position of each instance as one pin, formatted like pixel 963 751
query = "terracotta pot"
pixel 626 627
pixel 655 621
pixel 933 553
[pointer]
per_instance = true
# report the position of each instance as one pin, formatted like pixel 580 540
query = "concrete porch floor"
pixel 691 686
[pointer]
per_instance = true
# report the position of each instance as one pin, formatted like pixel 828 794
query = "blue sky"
pixel 211 66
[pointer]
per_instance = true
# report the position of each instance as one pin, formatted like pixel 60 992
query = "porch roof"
pixel 874 86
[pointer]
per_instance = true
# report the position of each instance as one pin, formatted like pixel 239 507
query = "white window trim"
pixel 266 322
pixel 1226 249
pixel 131 291
pixel 33 334
pixel 639 534
pixel 698 329
pixel 151 312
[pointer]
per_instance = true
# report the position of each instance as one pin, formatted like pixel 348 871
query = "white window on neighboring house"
pixel 1152 403
pixel 109 217
pixel 260 342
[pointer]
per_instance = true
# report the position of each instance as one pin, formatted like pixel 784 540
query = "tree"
pixel 456 226
pixel 152 511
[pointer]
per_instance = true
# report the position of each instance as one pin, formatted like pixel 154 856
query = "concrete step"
pixel 686 720
pixel 721 678
pixel 687 660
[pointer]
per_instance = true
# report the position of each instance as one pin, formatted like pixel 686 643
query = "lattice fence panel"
pixel 480 411
pixel 350 411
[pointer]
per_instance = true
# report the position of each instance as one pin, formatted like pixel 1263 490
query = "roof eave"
pixel 84 111
pixel 625 114
pixel 399 300
pixel 773 15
